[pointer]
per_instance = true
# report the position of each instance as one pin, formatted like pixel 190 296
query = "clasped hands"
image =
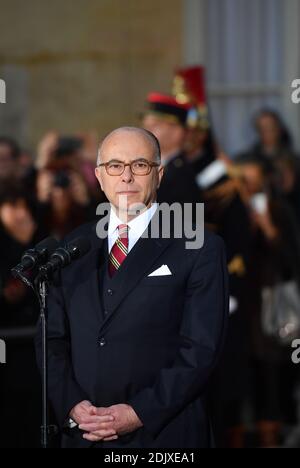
pixel 105 424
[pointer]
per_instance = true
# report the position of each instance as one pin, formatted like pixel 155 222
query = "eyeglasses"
pixel 140 167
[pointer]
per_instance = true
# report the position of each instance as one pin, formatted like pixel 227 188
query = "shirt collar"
pixel 137 225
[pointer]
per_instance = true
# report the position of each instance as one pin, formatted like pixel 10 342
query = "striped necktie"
pixel 119 251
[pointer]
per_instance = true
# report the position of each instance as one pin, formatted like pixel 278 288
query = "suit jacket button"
pixel 110 292
pixel 102 342
pixel 106 312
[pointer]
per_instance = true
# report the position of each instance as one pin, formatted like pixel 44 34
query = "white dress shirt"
pixel 136 226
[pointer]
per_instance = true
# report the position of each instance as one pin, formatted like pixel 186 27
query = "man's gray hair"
pixel 142 131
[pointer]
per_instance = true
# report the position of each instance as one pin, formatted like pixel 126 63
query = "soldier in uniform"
pixel 227 215
pixel 166 118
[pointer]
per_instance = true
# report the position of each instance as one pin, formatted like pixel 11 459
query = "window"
pixel 251 50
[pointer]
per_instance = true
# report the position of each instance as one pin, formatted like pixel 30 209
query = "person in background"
pixel 167 120
pixel 287 181
pixel 273 140
pixel 200 148
pixel 9 159
pixel 62 192
pixel 189 87
pixel 226 215
pixel 88 151
pixel 81 149
pixel 276 254
pixel 19 390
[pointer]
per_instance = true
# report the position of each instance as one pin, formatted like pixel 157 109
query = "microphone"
pixel 63 256
pixel 36 256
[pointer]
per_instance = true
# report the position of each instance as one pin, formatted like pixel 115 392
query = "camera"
pixel 62 179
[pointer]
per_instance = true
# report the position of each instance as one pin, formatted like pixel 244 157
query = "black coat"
pixel 155 350
pixel 178 183
pixel 19 378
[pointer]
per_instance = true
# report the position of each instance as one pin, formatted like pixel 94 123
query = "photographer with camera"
pixel 62 192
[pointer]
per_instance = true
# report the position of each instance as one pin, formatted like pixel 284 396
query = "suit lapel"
pixel 93 261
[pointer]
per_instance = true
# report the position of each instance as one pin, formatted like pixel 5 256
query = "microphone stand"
pixel 40 286
pixel 47 431
pixel 41 289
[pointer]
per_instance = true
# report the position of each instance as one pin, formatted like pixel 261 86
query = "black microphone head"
pixel 35 256
pixel 49 244
pixel 43 249
pixel 64 255
pixel 79 247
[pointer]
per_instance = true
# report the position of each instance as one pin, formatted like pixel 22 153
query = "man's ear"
pixel 160 175
pixel 98 176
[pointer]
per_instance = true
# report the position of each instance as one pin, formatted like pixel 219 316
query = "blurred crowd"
pixel 252 200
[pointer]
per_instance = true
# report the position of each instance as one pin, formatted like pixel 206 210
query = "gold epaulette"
pixel 237 266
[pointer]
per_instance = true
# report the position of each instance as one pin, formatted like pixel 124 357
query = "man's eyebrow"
pixel 115 160
pixel 139 158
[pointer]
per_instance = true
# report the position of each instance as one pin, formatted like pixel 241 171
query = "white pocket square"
pixel 164 270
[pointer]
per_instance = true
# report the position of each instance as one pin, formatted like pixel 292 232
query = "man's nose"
pixel 127 175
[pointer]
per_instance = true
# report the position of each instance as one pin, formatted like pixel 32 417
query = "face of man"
pixel 128 190
pixel 7 162
pixel 170 135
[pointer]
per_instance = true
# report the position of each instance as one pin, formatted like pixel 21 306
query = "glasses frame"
pixel 149 163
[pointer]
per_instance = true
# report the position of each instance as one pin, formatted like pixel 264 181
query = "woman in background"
pixel 272 143
pixel 275 261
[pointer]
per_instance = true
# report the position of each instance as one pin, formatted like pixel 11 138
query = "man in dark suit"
pixel 137 325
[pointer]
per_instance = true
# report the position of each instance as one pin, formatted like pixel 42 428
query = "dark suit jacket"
pixel 178 183
pixel 157 348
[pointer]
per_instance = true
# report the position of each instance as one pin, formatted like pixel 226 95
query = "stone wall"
pixel 83 64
